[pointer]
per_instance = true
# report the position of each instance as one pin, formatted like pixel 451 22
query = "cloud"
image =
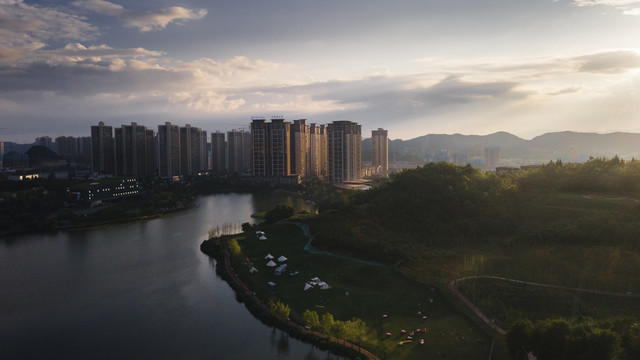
pixel 569 90
pixel 628 7
pixel 144 20
pixel 26 28
pixel 608 62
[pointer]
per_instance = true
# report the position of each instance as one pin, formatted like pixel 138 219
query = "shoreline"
pixel 269 317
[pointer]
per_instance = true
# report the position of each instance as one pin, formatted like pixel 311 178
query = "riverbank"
pixel 358 290
pixel 257 307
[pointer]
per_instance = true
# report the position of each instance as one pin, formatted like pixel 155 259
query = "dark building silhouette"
pixel 102 155
pixel 135 150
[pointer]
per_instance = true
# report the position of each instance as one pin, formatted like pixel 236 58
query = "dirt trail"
pixel 452 287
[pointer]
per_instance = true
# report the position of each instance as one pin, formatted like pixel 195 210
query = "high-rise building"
pixel 83 144
pixel 102 155
pixel 169 150
pixel 318 167
pixel 271 147
pixel 218 153
pixel 300 147
pixel 380 150
pixel 344 143
pixel 45 141
pixel 193 150
pixel 238 146
pixel 67 147
pixel 135 150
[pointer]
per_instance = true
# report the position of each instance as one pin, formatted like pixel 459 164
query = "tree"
pixel 327 323
pixel 280 212
pixel 311 319
pixel 519 338
pixel 280 308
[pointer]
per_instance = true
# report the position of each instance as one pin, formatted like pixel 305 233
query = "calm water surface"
pixel 136 291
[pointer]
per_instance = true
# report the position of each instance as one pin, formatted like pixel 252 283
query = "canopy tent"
pixel 282 258
pixel 262 237
pixel 268 257
pixel 307 286
pixel 271 263
pixel 253 270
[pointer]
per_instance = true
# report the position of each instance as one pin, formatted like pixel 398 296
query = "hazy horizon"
pixel 411 67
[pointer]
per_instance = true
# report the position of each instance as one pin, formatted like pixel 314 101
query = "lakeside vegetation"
pixel 574 225
pixel 359 296
pixel 48 204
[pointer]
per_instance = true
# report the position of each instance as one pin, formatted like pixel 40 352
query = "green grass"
pixel 372 292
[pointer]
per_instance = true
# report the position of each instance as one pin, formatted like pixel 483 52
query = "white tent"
pixel 262 237
pixel 282 258
pixel 268 257
pixel 323 285
pixel 253 270
pixel 307 286
pixel 271 263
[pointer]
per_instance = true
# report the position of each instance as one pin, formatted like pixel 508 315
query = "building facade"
pixel 218 153
pixel 300 148
pixel 168 150
pixel 344 148
pixel 135 150
pixel 318 158
pixel 238 145
pixel 270 147
pixel 380 150
pixel 102 155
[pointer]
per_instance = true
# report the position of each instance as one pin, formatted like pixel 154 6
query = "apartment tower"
pixel 169 150
pixel 135 150
pixel 380 150
pixel 300 148
pixel 344 148
pixel 102 156
pixel 218 153
pixel 270 147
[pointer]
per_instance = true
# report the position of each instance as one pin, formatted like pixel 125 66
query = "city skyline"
pixel 411 67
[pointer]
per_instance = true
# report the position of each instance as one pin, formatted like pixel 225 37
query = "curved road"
pixel 452 286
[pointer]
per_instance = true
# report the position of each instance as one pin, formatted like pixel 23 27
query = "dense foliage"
pixel 445 206
pixel 586 339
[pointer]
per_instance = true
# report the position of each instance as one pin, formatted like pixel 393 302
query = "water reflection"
pixel 140 290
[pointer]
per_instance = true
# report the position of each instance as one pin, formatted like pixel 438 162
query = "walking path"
pixel 452 287
pixel 250 294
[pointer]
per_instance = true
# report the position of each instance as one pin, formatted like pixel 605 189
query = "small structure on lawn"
pixel 272 287
pixel 253 270
pixel 262 237
pixel 268 257
pixel 280 269
pixel 282 258
pixel 271 263
pixel 316 283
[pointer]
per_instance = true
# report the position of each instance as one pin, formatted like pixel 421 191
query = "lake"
pixel 136 291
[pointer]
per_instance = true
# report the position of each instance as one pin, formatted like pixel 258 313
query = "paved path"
pixel 298 327
pixel 452 287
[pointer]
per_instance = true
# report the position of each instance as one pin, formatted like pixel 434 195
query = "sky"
pixel 413 67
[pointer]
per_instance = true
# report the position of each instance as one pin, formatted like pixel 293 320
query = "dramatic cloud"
pixel 26 28
pixel 144 20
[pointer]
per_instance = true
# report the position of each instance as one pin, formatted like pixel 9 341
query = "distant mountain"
pixel 567 146
pixel 14 147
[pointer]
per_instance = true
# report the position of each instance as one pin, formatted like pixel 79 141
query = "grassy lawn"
pixel 367 292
